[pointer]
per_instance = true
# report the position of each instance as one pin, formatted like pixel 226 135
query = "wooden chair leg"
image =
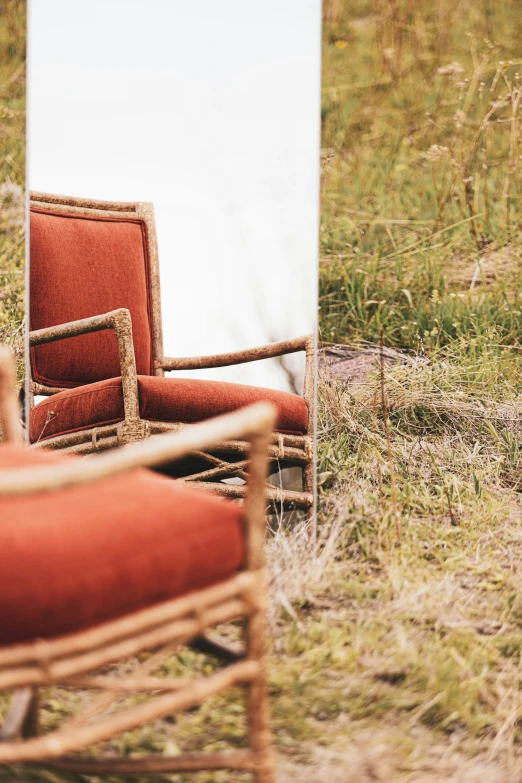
pixel 258 717
pixel 22 718
pixel 31 724
pixel 309 487
pixel 309 478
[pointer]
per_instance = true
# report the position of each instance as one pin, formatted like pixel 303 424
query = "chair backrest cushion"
pixel 80 267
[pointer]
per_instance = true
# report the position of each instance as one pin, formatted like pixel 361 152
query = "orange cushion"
pixel 82 267
pixel 76 557
pixel 161 399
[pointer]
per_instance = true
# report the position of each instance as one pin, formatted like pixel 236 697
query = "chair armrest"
pixel 250 423
pixel 95 323
pixel 120 321
pixel 306 344
pixel 254 423
pixel 238 357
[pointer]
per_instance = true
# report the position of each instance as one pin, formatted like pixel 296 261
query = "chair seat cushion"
pixel 76 557
pixel 161 399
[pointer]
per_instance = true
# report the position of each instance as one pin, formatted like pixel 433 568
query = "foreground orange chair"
pixel 101 560
pixel 94 279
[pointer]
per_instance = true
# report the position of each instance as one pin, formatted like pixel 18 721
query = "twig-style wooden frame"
pixel 284 449
pixel 74 660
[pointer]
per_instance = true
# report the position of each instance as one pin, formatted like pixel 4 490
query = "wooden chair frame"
pixel 75 659
pixel 284 450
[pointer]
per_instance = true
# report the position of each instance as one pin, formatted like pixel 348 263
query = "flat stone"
pixel 354 365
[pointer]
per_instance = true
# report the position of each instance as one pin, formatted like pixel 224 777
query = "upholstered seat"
pixel 84 555
pixel 160 399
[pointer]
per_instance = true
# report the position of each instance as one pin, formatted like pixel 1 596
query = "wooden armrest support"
pixel 95 323
pixel 120 321
pixel 251 423
pixel 237 357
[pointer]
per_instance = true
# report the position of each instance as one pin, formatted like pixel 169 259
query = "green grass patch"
pixel 12 177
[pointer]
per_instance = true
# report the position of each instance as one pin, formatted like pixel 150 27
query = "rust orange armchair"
pixel 101 560
pixel 97 351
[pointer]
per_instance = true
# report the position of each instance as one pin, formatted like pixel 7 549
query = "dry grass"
pixel 420 242
pixel 431 627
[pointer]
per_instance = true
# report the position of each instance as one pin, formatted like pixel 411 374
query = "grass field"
pixel 12 176
pixel 396 646
pixel 420 243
